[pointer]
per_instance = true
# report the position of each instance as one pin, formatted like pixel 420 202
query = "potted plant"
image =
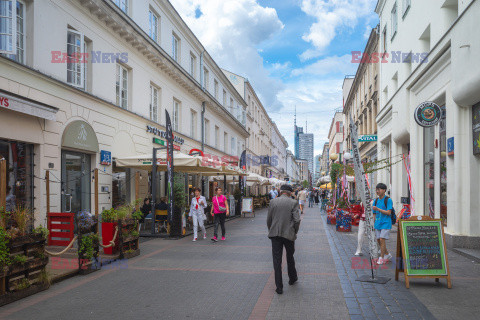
pixel 109 224
pixel 179 196
pixel 128 234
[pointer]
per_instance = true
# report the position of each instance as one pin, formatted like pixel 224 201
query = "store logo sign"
pixel 367 138
pixel 82 134
pixel 4 102
pixel 428 114
pixel 163 134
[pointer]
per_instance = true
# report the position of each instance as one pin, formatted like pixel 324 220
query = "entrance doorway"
pixel 76 175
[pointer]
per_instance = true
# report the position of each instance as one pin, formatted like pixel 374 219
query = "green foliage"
pixel 179 194
pixel 38 254
pixel 134 233
pixel 305 183
pixel 342 204
pixel 43 277
pixel 20 259
pixel 23 284
pixel 4 217
pixel 137 215
pixel 237 193
pixel 43 231
pixel 129 211
pixel 4 250
pixel 21 216
pixel 335 172
pixel 88 246
pixel 109 216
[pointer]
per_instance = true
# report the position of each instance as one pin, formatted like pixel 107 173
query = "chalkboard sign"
pixel 424 251
pixel 421 245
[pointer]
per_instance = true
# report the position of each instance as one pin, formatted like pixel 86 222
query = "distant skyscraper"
pixel 305 149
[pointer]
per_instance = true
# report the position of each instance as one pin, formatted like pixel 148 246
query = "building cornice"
pixel 121 24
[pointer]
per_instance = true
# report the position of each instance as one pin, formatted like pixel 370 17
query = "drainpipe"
pixel 202 82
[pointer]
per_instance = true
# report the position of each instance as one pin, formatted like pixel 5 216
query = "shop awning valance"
pixel 16 103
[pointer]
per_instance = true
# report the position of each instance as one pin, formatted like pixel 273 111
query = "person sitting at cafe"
pixel 146 209
pixel 162 205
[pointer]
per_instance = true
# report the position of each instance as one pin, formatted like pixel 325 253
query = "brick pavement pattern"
pixel 180 279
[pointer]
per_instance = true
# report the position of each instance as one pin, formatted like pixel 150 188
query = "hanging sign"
pixel 451 146
pixel 170 195
pixel 476 128
pixel 428 114
pixel 162 143
pixel 364 191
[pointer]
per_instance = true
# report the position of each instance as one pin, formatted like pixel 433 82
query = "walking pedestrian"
pixel 219 211
pixel 317 200
pixel 302 199
pixel 283 221
pixel 273 194
pixel 382 208
pixel 199 203
pixel 310 198
pixel 361 230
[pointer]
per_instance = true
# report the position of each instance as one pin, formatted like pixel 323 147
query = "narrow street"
pixel 179 279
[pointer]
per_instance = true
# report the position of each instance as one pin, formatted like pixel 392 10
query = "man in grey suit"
pixel 283 221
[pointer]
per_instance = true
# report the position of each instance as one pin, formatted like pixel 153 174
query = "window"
pixel 225 142
pixel 153 25
pixel 394 20
pixel 233 146
pixel 153 103
pixel 122 4
pixel 215 88
pixel 75 60
pixel 6 38
pixel 217 136
pixel 8 25
pixel 384 39
pixel 175 47
pixel 122 87
pixel 231 105
pixel 193 64
pixel 224 98
pixel 205 78
pixel 207 131
pixel 193 124
pixel 176 114
pixel 406 6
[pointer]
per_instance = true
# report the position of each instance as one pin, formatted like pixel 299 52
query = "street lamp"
pixel 347 156
pixel 333 157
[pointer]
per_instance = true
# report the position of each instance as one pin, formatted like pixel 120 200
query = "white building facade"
pixel 435 47
pixel 135 61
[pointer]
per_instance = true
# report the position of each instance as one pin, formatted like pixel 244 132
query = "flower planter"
pixel 343 221
pixel 108 231
pixel 128 245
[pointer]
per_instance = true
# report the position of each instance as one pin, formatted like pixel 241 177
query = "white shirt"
pixel 202 204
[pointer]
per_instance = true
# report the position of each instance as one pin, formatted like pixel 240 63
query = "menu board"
pixel 247 205
pixel 424 251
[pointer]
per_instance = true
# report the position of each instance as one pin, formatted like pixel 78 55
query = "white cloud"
pixel 330 15
pixel 231 31
pixel 328 65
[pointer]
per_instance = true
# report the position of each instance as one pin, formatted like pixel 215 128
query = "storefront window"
pixel 443 167
pixel 120 185
pixel 76 177
pixel 429 171
pixel 20 182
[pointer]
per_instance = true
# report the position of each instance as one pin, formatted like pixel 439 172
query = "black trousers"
pixel 277 251
pixel 219 218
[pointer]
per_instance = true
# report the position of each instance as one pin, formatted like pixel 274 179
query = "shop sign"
pixel 163 143
pixel 367 138
pixel 105 158
pixel 13 102
pixel 80 135
pixel 163 134
pixel 476 128
pixel 428 114
pixel 451 146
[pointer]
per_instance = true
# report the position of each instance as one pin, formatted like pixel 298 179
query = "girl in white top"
pixel 199 203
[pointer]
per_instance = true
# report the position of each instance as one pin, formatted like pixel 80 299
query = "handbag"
pixel 222 209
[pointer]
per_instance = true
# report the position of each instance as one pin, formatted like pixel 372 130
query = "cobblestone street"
pixel 179 279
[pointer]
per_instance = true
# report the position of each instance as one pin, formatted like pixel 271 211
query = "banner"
pixel 364 191
pixel 169 138
pixel 243 166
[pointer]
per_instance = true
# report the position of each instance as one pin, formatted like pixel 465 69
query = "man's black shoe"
pixel 291 282
pixel 279 291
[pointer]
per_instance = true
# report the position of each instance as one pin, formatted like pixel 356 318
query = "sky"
pixel 295 53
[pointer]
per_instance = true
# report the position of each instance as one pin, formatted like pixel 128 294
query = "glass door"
pixel 75 181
